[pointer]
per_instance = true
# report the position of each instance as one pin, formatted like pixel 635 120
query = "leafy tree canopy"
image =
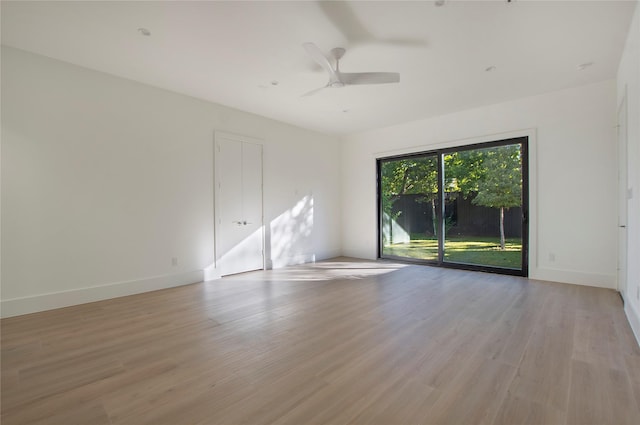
pixel 463 170
pixel 500 185
pixel 410 176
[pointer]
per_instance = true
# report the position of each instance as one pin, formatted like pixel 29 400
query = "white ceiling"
pixel 231 52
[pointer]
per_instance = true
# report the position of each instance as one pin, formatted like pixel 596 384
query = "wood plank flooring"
pixel 337 342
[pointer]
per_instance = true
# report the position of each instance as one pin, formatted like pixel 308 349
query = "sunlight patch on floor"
pixel 323 270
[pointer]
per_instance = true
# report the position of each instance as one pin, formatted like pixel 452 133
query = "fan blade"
pixel 369 77
pixel 312 92
pixel 321 59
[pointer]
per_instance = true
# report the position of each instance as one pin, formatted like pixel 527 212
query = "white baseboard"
pixel 211 273
pixel 364 254
pixel 536 273
pixel 573 277
pixel 303 258
pixel 50 301
pixel 292 261
pixel 326 255
pixel 295 260
pixel 634 320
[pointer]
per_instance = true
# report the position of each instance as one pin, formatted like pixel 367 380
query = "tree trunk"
pixel 502 228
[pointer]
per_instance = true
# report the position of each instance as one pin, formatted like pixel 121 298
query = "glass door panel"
pixel 483 206
pixel 409 218
pixel 463 207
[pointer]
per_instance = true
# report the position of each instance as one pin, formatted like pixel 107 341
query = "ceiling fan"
pixel 341 79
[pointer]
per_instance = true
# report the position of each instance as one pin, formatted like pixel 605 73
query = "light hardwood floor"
pixel 338 342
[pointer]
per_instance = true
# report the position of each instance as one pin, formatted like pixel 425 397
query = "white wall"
pixel 572 177
pixel 104 180
pixel 629 81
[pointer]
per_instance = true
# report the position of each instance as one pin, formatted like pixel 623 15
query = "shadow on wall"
pixel 288 236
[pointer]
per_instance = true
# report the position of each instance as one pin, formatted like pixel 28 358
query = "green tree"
pixel 463 170
pixel 410 176
pixel 492 175
pixel 499 184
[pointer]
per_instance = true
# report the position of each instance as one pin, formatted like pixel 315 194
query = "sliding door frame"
pixel 523 141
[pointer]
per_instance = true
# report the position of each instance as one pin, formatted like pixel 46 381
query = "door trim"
pixel 622 142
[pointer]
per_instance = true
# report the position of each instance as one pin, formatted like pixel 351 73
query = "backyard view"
pixel 466 250
pixel 482 213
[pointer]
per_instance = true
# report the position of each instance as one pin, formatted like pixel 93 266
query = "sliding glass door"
pixel 462 207
pixel 409 202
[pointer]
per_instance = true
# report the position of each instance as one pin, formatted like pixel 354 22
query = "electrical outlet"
pixel 174 261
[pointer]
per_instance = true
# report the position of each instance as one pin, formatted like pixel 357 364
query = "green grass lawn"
pixel 469 250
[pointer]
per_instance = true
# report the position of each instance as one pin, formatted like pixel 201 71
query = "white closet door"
pixel 239 230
